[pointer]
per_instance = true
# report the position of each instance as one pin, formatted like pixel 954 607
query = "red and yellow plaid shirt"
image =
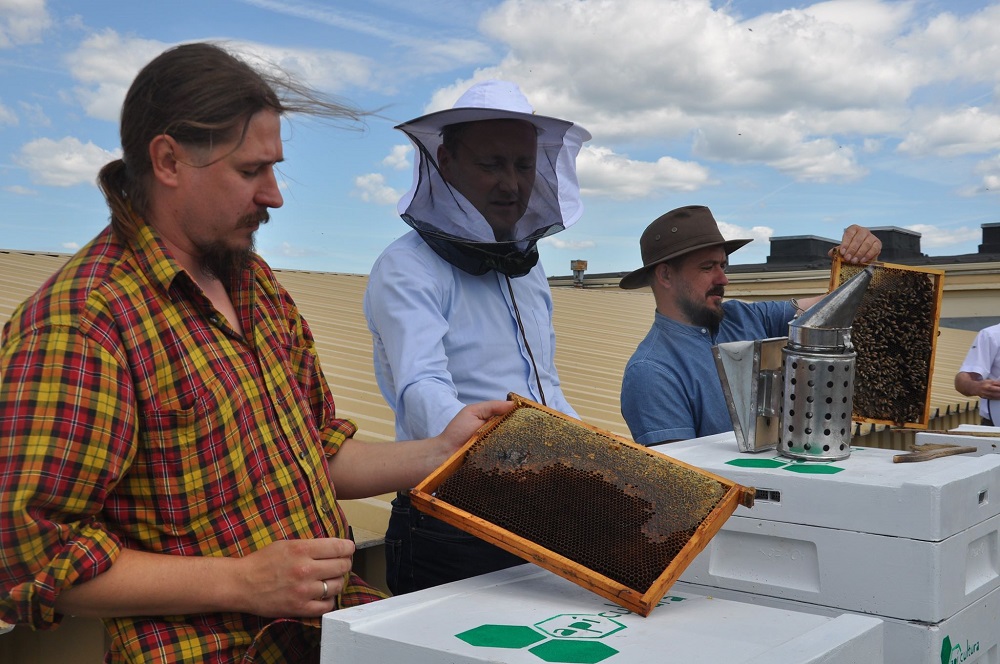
pixel 133 416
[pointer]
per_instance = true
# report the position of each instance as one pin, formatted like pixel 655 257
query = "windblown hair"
pixel 201 95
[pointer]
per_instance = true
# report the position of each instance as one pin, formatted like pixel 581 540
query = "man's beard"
pixel 226 263
pixel 701 314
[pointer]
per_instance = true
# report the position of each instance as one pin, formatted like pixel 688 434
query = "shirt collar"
pixel 671 326
pixel 154 258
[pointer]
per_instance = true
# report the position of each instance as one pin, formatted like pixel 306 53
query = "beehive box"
pixel 894 334
pixel 527 615
pixel 968 637
pixel 912 541
pixel 597 509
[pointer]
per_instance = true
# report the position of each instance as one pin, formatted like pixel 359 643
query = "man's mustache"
pixel 255 218
pixel 718 290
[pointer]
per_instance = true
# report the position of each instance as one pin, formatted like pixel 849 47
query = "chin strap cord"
pixel 520 326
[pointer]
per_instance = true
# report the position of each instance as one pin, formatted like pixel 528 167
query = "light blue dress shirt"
pixel 444 338
pixel 671 389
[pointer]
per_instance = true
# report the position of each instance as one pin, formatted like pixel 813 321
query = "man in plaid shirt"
pixel 172 455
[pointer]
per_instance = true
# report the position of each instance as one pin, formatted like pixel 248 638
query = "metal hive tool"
pixel 894 335
pixel 612 516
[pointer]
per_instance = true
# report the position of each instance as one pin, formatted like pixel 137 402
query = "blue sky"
pixel 786 118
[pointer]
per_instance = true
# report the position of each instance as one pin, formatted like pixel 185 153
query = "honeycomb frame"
pixel 608 475
pixel 901 338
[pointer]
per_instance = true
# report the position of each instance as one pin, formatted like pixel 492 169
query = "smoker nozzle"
pixel 826 326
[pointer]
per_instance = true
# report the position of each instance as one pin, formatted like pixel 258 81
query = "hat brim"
pixel 433 123
pixel 639 278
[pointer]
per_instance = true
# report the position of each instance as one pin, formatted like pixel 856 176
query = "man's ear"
pixel 661 274
pixel 163 157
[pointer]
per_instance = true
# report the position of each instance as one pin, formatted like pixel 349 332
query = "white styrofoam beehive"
pixel 887 576
pixel 866 492
pixel 983 444
pixel 910 541
pixel 529 615
pixel 971 636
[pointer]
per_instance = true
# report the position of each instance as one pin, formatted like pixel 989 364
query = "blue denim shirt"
pixel 671 388
pixel 444 338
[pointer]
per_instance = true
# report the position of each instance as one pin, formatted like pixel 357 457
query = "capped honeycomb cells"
pixel 615 509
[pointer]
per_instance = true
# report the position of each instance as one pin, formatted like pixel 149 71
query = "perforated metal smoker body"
pixel 894 335
pixel 608 514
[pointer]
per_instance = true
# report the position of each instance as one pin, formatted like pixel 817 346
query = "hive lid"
pixel 612 516
pixel 865 493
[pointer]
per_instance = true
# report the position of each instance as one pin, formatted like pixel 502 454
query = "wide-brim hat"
pixel 674 234
pixel 490 100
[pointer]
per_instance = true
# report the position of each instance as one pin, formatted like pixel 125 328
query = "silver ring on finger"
pixel 326 592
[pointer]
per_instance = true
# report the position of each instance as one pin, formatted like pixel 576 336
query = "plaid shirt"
pixel 133 416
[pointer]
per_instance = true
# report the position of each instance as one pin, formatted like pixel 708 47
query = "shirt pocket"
pixel 194 460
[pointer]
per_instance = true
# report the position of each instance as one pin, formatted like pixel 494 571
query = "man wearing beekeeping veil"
pixel 459 308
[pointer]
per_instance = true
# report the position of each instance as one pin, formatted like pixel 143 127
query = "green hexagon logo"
pixel 501 636
pixel 576 626
pixel 756 463
pixel 571 651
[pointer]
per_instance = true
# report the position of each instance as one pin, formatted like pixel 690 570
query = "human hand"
pixel 987 389
pixel 288 578
pixel 468 420
pixel 858 245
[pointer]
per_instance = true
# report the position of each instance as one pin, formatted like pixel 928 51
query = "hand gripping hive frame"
pixel 894 335
pixel 616 518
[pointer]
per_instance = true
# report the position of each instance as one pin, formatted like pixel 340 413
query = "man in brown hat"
pixel 670 389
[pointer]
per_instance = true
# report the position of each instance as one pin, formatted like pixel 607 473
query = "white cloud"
pixel 604 173
pixel 399 157
pixel 7 116
pixel 780 143
pixel 736 232
pixel 289 250
pixel 18 190
pixel 937 237
pixel 372 188
pixel 106 63
pixel 989 170
pixel 70 246
pixel 965 131
pixel 574 245
pixel 63 163
pixel 812 89
pixel 425 54
pixel 35 114
pixel 22 22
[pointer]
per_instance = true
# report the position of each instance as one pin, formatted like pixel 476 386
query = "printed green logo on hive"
pixel 566 638
pixel 793 466
pixel 956 654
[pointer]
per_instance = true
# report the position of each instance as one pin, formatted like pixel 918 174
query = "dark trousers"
pixel 423 552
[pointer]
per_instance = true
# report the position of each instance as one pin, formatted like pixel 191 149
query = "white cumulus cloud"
pixel 63 163
pixel 372 188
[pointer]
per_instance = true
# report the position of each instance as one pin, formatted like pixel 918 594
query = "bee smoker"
pixel 809 417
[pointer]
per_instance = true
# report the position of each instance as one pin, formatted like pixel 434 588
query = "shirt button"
pixel 213 319
pixel 303 455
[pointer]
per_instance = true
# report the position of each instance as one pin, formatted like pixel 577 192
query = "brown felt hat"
pixel 674 234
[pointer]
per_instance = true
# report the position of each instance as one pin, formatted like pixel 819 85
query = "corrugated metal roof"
pixel 596 328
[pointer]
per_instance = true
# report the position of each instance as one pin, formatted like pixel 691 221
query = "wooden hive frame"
pixel 936 278
pixel 640 601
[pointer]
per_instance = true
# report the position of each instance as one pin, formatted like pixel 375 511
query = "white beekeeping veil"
pixel 444 216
